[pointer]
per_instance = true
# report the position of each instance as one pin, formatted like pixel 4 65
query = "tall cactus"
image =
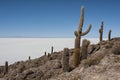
pixel 65 60
pixel 6 67
pixel 85 44
pixel 109 35
pixel 78 35
pixel 101 31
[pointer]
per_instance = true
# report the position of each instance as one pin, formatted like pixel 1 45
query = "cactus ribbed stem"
pixel 65 60
pixel 85 44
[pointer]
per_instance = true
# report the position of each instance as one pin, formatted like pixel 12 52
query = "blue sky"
pixel 57 18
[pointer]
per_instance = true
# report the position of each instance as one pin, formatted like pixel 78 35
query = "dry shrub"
pixel 116 49
pixel 103 42
pixel 117 59
pixel 108 46
pixel 92 61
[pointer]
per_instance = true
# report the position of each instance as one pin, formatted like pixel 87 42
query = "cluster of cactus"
pixel 49 53
pixel 101 32
pixel 84 48
pixel 80 53
pixel 78 35
pixel 65 60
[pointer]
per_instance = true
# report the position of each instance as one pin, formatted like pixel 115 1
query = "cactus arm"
pixel 100 31
pixel 110 31
pixel 76 33
pixel 81 20
pixel 102 25
pixel 88 30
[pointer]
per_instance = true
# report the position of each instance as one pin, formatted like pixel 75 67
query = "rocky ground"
pixel 2 79
pixel 103 63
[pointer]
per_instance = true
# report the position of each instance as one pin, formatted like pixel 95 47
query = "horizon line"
pixel 49 37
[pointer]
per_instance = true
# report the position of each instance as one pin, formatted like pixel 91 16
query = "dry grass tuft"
pixel 116 49
pixel 92 61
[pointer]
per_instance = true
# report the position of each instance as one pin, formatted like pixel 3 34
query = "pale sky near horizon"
pixel 57 18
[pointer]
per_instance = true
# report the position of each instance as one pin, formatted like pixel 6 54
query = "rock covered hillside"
pixel 102 63
pixel 87 62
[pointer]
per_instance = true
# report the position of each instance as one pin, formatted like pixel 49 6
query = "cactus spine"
pixel 6 67
pixel 51 49
pixel 109 35
pixel 85 44
pixel 78 35
pixel 101 31
pixel 65 60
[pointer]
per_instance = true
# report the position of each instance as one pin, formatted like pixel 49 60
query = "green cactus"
pixel 109 35
pixel 101 31
pixel 6 67
pixel 65 60
pixel 85 44
pixel 78 35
